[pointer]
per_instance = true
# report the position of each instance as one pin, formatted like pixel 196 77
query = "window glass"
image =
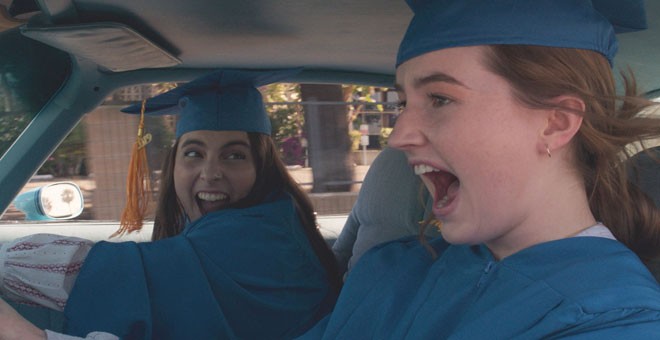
pixel 30 73
pixel 328 135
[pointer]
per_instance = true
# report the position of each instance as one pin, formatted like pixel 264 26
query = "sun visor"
pixel 113 46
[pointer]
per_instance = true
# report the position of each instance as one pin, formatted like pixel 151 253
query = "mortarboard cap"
pixel 222 100
pixel 583 24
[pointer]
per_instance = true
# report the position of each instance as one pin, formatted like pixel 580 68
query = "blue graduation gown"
pixel 236 273
pixel 583 287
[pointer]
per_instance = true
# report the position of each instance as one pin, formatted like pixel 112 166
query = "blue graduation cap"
pixel 225 100
pixel 222 100
pixel 583 24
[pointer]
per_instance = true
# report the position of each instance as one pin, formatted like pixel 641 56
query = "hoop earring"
pixel 547 149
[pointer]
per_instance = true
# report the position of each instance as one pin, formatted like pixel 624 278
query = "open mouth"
pixel 209 202
pixel 442 185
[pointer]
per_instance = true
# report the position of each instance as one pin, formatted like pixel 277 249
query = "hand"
pixel 14 327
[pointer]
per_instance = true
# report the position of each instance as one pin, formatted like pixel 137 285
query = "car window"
pixel 30 73
pixel 326 142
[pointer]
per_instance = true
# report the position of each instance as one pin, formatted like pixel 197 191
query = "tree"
pixel 287 120
pixel 11 125
pixel 69 157
pixel 328 139
pixel 23 91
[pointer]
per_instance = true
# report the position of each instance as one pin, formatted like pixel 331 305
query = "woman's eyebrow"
pixel 198 142
pixel 193 142
pixel 236 143
pixel 438 77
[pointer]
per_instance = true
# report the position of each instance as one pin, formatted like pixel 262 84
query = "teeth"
pixel 421 169
pixel 441 203
pixel 207 196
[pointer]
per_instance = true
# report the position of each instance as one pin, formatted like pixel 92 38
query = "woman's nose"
pixel 212 171
pixel 407 132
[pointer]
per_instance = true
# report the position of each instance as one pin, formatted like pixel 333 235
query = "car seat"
pixel 644 170
pixel 389 206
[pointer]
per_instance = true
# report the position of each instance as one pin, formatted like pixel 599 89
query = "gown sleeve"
pixel 41 269
pixel 235 273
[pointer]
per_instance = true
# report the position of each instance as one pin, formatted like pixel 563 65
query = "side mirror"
pixel 56 201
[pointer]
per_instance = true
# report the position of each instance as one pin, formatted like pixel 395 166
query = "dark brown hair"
pixel 610 124
pixel 271 176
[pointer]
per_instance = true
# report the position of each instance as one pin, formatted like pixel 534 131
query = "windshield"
pixel 30 73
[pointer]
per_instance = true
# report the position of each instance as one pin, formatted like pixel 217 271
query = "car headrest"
pixel 644 171
pixel 390 205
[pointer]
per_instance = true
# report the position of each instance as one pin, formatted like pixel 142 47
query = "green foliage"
pixel 287 120
pixel 29 74
pixel 11 125
pixel 384 136
pixel 382 139
pixel 69 157
pixel 363 94
pixel 355 136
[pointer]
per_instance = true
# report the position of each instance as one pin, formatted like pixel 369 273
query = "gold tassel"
pixel 138 183
pixel 433 222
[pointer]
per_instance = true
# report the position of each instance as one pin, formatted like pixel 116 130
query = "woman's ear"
pixel 562 123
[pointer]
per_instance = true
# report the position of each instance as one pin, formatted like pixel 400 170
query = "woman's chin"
pixel 456 233
pixel 207 207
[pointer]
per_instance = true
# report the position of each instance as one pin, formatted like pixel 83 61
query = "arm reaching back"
pixel 41 268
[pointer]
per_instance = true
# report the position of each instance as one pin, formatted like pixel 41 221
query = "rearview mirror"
pixel 56 201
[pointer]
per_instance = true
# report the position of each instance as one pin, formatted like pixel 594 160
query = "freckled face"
pixel 212 169
pixel 472 143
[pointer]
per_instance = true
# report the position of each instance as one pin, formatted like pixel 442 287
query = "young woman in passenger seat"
pixel 509 115
pixel 236 251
